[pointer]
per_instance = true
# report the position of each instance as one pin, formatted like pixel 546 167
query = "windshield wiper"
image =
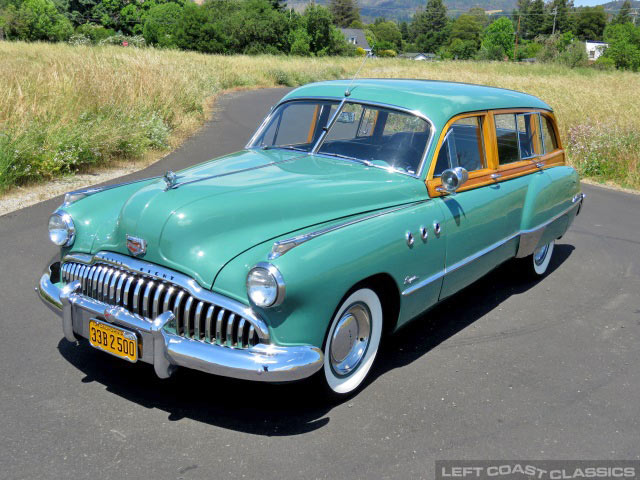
pixel 283 147
pixel 346 157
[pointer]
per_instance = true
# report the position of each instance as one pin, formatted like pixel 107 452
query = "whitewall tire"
pixel 541 258
pixel 353 341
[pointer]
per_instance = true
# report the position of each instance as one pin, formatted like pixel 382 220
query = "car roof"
pixel 439 101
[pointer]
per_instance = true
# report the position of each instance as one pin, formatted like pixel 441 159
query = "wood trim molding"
pixel 481 178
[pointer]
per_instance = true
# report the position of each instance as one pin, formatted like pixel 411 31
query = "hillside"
pixel 404 9
pixel 616 4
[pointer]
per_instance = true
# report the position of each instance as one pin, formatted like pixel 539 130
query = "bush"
pixel 604 63
pixel 387 53
pixel 605 151
pixel 300 40
pixel 79 39
pixel 95 33
pixel 160 25
pixel 124 41
pixel 575 55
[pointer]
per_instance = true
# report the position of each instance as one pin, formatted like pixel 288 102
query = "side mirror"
pixel 453 178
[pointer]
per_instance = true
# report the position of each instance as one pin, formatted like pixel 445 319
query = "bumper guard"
pixel 166 351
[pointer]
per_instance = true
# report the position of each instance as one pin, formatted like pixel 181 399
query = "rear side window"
pixel 463 146
pixel 549 135
pixel 518 136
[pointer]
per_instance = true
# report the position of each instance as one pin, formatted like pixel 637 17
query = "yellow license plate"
pixel 113 340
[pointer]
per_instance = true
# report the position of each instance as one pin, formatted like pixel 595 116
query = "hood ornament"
pixel 137 246
pixel 170 178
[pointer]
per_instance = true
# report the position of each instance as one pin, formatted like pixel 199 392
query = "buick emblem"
pixel 137 246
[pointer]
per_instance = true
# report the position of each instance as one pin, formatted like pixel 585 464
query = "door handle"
pixel 495 176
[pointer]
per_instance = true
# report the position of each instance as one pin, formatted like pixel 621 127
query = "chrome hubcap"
pixel 540 254
pixel 350 339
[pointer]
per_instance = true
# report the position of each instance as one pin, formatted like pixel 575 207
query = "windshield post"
pixel 326 129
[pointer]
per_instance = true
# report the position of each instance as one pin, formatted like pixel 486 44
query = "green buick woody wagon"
pixel 354 208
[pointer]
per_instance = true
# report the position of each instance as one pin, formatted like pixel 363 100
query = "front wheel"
pixel 352 342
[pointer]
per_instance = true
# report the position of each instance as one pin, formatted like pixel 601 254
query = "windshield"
pixel 296 125
pixel 375 135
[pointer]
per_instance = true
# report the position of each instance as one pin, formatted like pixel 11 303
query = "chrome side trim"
pixel 163 274
pixel 281 247
pixel 480 253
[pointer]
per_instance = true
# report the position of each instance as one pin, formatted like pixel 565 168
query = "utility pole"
pixel 555 14
pixel 515 50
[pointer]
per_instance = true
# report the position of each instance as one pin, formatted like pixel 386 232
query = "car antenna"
pixel 347 92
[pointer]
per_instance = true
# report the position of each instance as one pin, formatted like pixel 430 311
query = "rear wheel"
pixel 541 257
pixel 353 341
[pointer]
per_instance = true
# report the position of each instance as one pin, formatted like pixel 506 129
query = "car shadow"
pixel 295 408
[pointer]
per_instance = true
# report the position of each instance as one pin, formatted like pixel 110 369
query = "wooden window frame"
pixel 495 173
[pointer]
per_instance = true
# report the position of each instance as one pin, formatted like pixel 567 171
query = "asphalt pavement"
pixel 506 369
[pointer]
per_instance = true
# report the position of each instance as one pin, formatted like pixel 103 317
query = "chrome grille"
pixel 149 297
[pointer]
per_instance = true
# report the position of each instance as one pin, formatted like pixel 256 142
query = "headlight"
pixel 62 231
pixel 265 285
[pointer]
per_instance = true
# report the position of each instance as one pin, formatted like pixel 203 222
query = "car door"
pixel 473 220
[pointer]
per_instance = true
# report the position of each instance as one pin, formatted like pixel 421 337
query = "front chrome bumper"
pixel 166 351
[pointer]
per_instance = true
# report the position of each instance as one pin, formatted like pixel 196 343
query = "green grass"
pixel 66 109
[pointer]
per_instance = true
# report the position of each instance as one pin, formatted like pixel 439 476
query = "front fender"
pixel 320 272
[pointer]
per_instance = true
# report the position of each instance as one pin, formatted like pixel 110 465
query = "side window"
pixel 367 122
pixel 518 136
pixel 548 135
pixel 507 137
pixel 529 135
pixel 463 146
pixel 347 123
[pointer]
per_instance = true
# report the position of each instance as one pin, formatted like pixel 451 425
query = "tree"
pixel 498 40
pixel 480 16
pixel 389 33
pixel 325 39
pixel 624 45
pixel 160 25
pixel 590 22
pixel 467 29
pixel 344 12
pixel 37 20
pixel 429 27
pixel 535 20
pixel 255 26
pixel 460 50
pixel 562 20
pixel 300 41
pixel 197 30
pixel 624 14
pixel 404 30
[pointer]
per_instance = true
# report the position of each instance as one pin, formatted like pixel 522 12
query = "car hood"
pixel 221 208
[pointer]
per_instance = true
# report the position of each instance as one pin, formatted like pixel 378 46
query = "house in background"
pixel 595 49
pixel 356 36
pixel 419 56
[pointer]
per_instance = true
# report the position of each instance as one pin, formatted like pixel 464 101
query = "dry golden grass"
pixel 65 109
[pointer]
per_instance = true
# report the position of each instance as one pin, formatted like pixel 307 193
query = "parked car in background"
pixel 352 210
